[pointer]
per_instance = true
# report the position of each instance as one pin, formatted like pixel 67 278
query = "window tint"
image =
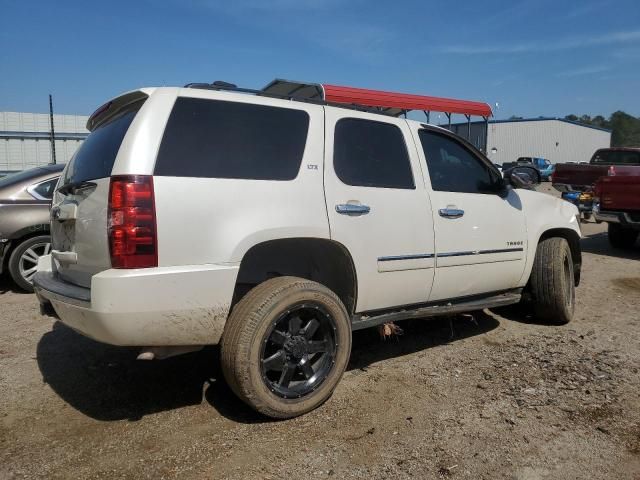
pixel 371 154
pixel 212 138
pixel 452 167
pixel 97 154
pixel 45 189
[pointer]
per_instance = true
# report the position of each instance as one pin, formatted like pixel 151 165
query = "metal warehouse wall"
pixel 555 140
pixel 25 143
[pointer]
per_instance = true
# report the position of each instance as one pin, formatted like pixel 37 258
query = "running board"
pixel 360 321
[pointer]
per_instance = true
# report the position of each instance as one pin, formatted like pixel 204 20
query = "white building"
pixel 25 140
pixel 555 139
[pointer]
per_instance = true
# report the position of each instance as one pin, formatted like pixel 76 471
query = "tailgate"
pixel 620 193
pixel 80 245
pixel 578 177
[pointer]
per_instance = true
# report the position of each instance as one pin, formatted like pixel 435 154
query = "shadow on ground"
pixel 107 383
pixel 598 243
pixel 7 285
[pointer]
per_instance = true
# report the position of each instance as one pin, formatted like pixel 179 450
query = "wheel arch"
pixel 20 236
pixel 322 260
pixel 573 239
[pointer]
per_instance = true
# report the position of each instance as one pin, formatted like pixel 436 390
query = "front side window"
pixel 453 168
pixel 220 139
pixel 371 154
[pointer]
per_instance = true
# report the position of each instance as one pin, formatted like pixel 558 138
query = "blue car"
pixel 547 171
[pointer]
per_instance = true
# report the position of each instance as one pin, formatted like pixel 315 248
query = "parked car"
pixel 25 198
pixel 547 172
pixel 572 177
pixel 538 163
pixel 276 227
pixel 617 202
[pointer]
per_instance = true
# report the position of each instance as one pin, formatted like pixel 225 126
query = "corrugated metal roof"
pixel 537 119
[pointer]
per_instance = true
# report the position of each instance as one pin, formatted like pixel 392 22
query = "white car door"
pixel 480 230
pixel 378 207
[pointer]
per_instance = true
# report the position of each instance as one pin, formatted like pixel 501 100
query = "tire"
pixel 23 260
pixel 262 332
pixel 552 282
pixel 620 237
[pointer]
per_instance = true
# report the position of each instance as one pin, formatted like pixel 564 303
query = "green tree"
pixel 625 128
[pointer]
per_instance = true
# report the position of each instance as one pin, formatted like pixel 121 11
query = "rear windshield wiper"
pixel 74 187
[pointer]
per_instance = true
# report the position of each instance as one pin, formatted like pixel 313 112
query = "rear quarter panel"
pixel 620 192
pixel 20 219
pixel 578 175
pixel 215 220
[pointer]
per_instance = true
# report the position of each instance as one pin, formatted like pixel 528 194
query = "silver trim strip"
pixel 480 252
pixel 391 258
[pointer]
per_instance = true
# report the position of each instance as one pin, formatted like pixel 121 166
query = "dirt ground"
pixel 488 396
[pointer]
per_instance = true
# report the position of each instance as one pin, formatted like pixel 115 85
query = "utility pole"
pixel 52 134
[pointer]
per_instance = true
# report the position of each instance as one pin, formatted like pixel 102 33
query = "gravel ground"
pixel 483 396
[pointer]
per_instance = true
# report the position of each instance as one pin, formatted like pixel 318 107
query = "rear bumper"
pixel 164 306
pixel 623 218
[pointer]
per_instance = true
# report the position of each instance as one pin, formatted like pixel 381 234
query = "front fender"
pixel 546 215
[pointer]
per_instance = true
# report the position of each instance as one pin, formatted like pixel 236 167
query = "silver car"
pixel 25 199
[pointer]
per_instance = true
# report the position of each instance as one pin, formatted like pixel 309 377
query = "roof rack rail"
pixel 375 101
pixel 230 87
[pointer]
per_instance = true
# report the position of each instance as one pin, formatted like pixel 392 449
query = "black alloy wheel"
pixel 299 351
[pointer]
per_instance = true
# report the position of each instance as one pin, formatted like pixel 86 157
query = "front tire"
pixel 23 261
pixel 552 282
pixel 285 346
pixel 620 237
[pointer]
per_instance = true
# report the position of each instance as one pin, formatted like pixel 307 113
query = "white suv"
pixel 275 227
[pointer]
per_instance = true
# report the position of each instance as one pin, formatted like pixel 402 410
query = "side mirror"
pixel 522 176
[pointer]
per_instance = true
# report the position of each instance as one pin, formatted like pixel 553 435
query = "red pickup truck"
pixel 577 177
pixel 617 202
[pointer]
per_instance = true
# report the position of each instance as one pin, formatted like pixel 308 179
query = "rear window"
pixel 97 154
pixel 219 139
pixel 616 157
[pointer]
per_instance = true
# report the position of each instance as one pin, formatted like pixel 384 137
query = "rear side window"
pixel 45 189
pixel 218 139
pixel 371 154
pixel 97 154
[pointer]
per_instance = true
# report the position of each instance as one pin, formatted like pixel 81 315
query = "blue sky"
pixel 542 57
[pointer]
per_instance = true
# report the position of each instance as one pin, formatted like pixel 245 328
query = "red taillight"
pixel 132 222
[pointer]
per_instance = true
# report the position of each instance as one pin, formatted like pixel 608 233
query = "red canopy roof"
pixel 389 102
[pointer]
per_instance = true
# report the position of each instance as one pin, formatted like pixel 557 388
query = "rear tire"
pixel 285 346
pixel 24 260
pixel 552 282
pixel 621 237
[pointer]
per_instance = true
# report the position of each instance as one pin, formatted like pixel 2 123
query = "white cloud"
pixel 584 71
pixel 568 43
